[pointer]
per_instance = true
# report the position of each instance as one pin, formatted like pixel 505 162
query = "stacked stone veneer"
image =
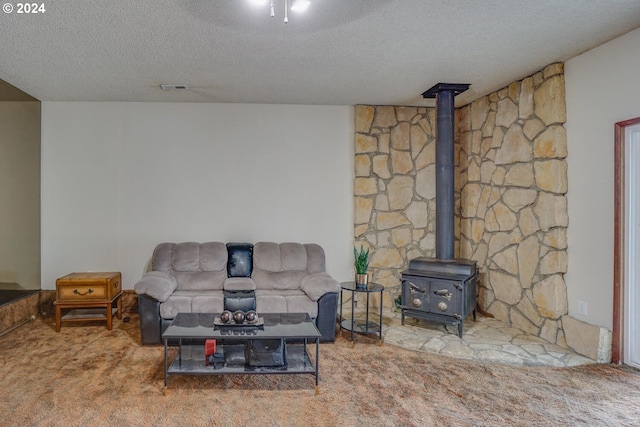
pixel 394 192
pixel 511 208
pixel 513 205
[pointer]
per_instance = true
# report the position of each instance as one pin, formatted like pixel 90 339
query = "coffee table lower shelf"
pixel 190 361
pixel 189 332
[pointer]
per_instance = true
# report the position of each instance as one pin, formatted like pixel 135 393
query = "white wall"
pixel 20 194
pixel 119 178
pixel 603 87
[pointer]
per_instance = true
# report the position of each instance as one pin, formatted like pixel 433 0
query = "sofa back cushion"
pixel 240 263
pixel 196 266
pixel 283 265
pixel 315 258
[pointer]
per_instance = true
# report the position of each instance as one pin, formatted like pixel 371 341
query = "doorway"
pixel 626 295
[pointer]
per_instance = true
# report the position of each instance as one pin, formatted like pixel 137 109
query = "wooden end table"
pixel 91 296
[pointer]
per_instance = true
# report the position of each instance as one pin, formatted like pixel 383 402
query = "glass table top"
pixel 370 287
pixel 276 325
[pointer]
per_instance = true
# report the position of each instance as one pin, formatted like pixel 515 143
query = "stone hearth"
pixel 488 340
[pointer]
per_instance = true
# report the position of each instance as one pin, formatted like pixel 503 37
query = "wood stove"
pixel 439 291
pixel 442 289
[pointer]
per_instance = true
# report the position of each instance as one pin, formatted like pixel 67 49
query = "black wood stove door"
pixel 431 295
pixel 445 297
pixel 415 293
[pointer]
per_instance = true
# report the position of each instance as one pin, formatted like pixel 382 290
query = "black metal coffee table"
pixel 191 329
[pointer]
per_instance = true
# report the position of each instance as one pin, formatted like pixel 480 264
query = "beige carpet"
pixel 88 376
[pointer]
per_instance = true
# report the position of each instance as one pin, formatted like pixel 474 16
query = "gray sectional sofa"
pixel 197 277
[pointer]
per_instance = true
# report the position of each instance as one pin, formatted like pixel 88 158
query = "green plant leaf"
pixel 361 260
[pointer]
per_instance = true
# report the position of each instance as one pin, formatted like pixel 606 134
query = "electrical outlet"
pixel 582 307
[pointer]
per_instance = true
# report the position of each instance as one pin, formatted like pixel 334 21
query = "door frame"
pixel 619 233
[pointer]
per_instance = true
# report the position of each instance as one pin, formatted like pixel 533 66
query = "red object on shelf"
pixel 209 349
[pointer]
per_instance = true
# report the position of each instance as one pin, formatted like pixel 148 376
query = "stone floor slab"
pixel 488 340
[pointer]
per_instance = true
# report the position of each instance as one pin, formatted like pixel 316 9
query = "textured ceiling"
pixel 341 52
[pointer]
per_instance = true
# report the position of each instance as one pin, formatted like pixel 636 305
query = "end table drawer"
pixel 82 292
pixel 88 286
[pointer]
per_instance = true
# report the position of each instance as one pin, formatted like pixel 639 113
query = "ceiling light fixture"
pixel 298 6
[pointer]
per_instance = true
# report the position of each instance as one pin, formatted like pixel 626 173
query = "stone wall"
pixel 511 209
pixel 394 192
pixel 514 209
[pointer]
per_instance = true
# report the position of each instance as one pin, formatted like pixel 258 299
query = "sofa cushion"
pixel 240 263
pixel 175 304
pixel 269 256
pixel 293 257
pixel 200 280
pixel 189 256
pixel 213 256
pixel 279 266
pixel 192 302
pixel 161 258
pixel 208 303
pixel 186 257
pixel 315 258
pixel 283 280
pixel 285 301
pixel 239 284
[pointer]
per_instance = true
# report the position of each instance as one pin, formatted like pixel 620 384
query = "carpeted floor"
pixel 88 376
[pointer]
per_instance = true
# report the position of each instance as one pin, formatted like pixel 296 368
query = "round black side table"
pixel 363 327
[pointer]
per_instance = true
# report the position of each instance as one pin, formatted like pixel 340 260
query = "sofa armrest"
pixel 318 284
pixel 156 284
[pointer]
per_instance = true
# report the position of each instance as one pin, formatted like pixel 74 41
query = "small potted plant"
pixel 361 264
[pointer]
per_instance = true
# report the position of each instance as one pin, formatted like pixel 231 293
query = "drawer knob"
pixel 442 306
pixel 77 292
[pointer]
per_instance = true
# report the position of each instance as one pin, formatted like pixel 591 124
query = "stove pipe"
pixel 444 93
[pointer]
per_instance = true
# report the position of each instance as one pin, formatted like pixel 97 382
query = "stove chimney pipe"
pixel 444 93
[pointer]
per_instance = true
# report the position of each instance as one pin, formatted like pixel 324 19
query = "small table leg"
pixel 119 305
pixel 109 316
pixel 353 316
pixel 340 319
pixel 166 373
pixel 366 318
pixel 317 364
pixel 58 321
pixel 380 330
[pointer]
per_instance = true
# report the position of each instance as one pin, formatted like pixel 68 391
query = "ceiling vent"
pixel 174 87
